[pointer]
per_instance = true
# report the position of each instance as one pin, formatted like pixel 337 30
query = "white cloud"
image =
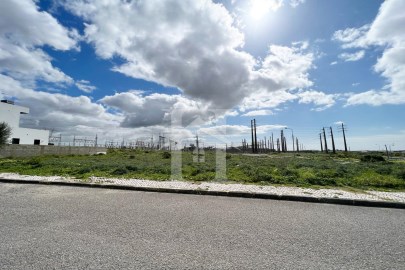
pixel 284 68
pixel 158 109
pixel 23 29
pixel 352 57
pixel 78 116
pixel 333 63
pixel 386 31
pixel 58 111
pixel 258 113
pixel 352 37
pixel 377 98
pixel 85 86
pixel 264 99
pixel 237 129
pixel 295 3
pixel 321 100
pixel 191 45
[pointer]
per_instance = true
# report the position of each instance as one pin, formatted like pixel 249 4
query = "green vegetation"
pixel 5 132
pixel 352 170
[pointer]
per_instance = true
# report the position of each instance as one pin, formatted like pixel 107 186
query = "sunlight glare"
pixel 259 8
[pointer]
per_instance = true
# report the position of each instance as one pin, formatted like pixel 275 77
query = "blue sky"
pixel 128 70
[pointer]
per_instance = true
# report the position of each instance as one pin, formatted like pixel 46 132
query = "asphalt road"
pixel 43 227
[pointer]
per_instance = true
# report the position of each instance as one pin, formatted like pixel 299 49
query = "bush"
pixel 84 170
pixel 372 158
pixel 34 162
pixel 120 171
pixel 401 174
pixel 166 155
pixel 5 132
pixel 132 168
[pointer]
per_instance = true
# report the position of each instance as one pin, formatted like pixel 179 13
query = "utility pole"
pixel 333 141
pixel 253 139
pixel 254 123
pixel 344 136
pixel 326 144
pixel 283 142
pixel 198 149
pixel 272 142
pixel 320 139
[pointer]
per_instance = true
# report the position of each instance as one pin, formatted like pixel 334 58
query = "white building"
pixel 10 114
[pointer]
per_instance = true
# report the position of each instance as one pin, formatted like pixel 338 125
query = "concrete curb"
pixel 353 202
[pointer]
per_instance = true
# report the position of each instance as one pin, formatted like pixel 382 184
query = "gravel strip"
pixel 228 187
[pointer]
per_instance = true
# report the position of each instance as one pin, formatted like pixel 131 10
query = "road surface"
pixel 43 227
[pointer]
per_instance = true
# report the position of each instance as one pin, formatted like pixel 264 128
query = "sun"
pixel 259 8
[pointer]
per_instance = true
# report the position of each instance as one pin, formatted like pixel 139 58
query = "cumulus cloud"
pixel 78 116
pixel 58 111
pixel 352 37
pixel 263 100
pixel 321 100
pixel 387 31
pixel 237 129
pixel 284 68
pixel 160 109
pixel 191 45
pixel 85 86
pixel 23 29
pixel 258 113
pixel 352 57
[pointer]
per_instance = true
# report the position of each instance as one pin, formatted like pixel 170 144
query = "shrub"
pixel 35 162
pixel 132 168
pixel 120 171
pixel 84 170
pixel 5 132
pixel 166 155
pixel 372 158
pixel 401 174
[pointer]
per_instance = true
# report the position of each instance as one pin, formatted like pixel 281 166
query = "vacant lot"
pixel 352 170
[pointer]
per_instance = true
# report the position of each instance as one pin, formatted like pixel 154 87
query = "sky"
pixel 129 70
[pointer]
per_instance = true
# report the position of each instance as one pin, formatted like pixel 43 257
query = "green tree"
pixel 5 132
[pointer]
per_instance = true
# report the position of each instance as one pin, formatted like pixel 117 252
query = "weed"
pixel 120 171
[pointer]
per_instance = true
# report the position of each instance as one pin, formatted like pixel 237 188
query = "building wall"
pixel 27 135
pixel 16 150
pixel 10 114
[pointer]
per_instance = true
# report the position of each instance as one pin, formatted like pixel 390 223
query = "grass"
pixel 354 171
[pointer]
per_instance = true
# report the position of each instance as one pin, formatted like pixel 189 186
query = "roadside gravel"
pixel 224 186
